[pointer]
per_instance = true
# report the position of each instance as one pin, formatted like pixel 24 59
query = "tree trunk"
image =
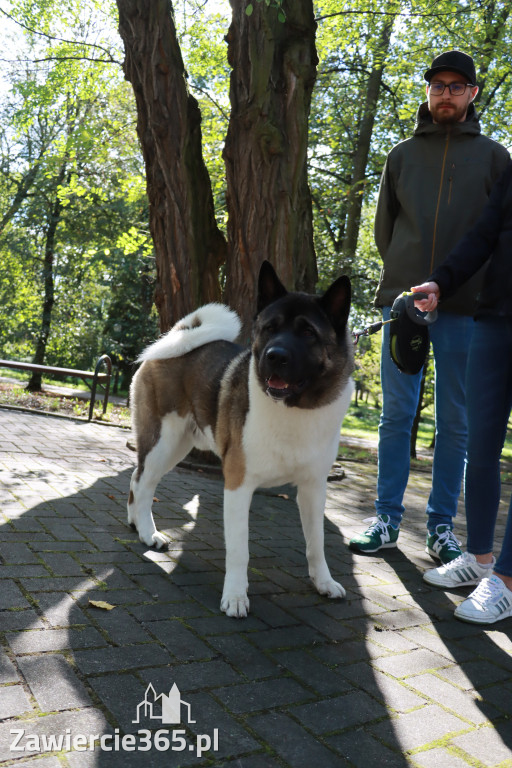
pixel 188 244
pixel 364 138
pixel 35 382
pixel 268 197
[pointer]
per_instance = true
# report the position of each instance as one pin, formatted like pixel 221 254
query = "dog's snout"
pixel 277 355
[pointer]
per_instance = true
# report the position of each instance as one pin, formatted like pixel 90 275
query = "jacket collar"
pixel 425 125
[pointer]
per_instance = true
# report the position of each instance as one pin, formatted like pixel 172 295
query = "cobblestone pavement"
pixel 386 677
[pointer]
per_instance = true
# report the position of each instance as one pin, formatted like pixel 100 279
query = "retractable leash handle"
pixel 414 314
pixel 409 337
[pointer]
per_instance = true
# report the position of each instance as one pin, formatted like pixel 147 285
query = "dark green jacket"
pixel 433 188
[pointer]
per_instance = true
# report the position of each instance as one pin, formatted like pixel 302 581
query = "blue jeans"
pixel 450 336
pixel 489 400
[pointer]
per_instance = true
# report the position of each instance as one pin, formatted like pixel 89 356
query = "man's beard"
pixel 446 116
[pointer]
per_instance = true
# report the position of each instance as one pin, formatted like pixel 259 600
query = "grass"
pixel 16 395
pixel 362 422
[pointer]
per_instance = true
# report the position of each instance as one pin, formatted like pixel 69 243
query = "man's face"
pixel 448 108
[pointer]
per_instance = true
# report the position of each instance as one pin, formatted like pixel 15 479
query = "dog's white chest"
pixel 285 445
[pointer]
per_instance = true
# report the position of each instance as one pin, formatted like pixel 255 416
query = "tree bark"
pixel 189 246
pixel 35 381
pixel 268 197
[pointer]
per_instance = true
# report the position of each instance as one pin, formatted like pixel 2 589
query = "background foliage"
pixel 73 213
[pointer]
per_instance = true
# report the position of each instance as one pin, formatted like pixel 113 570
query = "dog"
pixel 272 413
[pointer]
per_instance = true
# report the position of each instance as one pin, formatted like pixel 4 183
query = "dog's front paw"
pixel 235 605
pixel 331 588
pixel 155 539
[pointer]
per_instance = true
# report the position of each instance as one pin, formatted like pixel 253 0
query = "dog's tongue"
pixel 276 383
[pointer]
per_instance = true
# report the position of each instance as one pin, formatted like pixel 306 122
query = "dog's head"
pixel 300 341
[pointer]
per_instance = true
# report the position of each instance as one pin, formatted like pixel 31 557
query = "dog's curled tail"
pixel 212 322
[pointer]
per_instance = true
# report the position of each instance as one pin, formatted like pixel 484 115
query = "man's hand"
pixel 427 305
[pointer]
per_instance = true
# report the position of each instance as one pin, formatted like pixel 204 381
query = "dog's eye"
pixel 308 332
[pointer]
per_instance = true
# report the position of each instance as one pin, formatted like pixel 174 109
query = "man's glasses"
pixel 456 89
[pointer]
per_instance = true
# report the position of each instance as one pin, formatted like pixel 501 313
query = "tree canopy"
pixel 75 226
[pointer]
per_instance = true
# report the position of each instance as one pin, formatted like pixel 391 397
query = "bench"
pixel 96 376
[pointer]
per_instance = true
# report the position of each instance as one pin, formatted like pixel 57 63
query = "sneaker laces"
pixel 377 524
pixel 459 562
pixel 488 589
pixel 448 540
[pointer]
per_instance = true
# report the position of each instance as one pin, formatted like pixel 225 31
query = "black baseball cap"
pixel 453 61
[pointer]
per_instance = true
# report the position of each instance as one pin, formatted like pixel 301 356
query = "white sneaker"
pixel 461 572
pixel 490 602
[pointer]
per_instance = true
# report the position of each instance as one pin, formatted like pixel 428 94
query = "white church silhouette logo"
pixel 161 707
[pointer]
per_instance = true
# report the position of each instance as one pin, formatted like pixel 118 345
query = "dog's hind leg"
pixel 173 445
pixel 236 534
pixel 311 500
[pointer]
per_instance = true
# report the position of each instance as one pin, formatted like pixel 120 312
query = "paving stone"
pixel 13 701
pixel 264 694
pixel 234 738
pixel 193 676
pixel 20 619
pixel 364 751
pixel 17 553
pixel 60 610
pixel 335 714
pixel 51 584
pixel 240 653
pixel 62 564
pixel 489 745
pixel 11 595
pixel 121 693
pixel 291 637
pixel 120 658
pixel 180 641
pixel 120 626
pixel 53 682
pixel 44 762
pixel 292 742
pixel 162 612
pixel 474 674
pixel 303 681
pixel 38 641
pixel 440 758
pixel 86 721
pixel 406 664
pixel 312 673
pixel 8 673
pixel 462 702
pixel 421 727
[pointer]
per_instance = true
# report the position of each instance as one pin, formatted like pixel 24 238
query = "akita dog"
pixel 272 413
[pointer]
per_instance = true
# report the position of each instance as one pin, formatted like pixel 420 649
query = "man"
pixel 433 187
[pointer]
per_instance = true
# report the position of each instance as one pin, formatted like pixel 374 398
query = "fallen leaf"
pixel 101 604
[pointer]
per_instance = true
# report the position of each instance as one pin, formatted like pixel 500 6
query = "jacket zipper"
pixel 434 236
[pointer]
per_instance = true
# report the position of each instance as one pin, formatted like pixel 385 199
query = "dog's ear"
pixel 336 302
pixel 270 288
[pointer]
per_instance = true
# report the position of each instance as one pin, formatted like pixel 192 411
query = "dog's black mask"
pixel 298 339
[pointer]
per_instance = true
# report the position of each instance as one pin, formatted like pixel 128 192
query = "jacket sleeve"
pixel 386 211
pixel 477 245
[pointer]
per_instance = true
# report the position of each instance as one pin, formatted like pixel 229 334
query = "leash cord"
pixel 373 328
